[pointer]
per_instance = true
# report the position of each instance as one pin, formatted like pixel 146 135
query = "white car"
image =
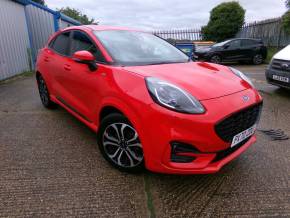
pixel 278 72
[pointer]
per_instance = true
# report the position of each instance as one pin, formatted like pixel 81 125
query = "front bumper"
pixel 269 76
pixel 161 127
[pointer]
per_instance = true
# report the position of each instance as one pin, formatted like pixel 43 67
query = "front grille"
pixel 238 122
pixel 281 65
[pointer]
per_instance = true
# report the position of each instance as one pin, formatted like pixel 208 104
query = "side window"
pixel 60 43
pixel 248 43
pixel 81 41
pixel 235 44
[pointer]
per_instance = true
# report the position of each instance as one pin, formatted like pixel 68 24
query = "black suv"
pixel 240 49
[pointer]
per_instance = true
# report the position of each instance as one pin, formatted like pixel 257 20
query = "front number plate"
pixel 243 135
pixel 281 78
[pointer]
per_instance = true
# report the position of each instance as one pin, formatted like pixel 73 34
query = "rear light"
pixel 182 152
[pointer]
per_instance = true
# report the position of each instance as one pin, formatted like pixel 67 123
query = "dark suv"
pixel 241 50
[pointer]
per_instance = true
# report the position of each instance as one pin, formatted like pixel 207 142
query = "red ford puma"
pixel 149 104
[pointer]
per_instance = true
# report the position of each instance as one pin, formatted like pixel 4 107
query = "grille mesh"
pixel 278 65
pixel 238 122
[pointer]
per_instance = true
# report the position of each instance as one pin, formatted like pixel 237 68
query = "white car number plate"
pixel 281 78
pixel 243 135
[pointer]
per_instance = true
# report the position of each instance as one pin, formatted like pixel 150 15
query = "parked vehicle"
pixel 189 48
pixel 148 102
pixel 242 50
pixel 278 72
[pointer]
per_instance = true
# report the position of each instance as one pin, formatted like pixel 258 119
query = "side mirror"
pixel 85 57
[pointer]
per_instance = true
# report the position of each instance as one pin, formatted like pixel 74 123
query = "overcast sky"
pixel 164 14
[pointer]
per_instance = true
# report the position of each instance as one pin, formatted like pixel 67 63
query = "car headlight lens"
pixel 173 97
pixel 242 76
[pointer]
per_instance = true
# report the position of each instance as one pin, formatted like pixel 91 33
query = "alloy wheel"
pixel 43 92
pixel 215 59
pixel 258 59
pixel 122 145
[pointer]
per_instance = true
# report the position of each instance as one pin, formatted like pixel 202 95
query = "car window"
pixel 247 43
pixel 60 43
pixel 234 44
pixel 81 41
pixel 133 48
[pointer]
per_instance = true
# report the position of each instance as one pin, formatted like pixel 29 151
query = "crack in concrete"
pixel 150 205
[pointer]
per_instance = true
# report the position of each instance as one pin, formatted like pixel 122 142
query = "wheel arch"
pixel 115 105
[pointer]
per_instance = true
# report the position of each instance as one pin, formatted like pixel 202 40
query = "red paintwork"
pixel 83 56
pixel 124 88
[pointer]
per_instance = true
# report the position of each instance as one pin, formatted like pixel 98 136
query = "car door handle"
pixel 46 59
pixel 67 67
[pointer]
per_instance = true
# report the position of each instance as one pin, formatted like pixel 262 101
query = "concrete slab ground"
pixel 50 167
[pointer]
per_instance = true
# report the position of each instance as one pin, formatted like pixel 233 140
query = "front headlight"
pixel 242 76
pixel 173 97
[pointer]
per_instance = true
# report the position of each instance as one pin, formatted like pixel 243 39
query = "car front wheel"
pixel 216 59
pixel 258 59
pixel 119 143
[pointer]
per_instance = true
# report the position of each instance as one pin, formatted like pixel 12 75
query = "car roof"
pixel 98 28
pixel 246 39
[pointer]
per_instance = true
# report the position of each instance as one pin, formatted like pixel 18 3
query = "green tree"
pixel 286 22
pixel 225 21
pixel 77 15
pixel 42 2
pixel 287 3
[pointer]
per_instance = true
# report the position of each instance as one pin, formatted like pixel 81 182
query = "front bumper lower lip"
pixel 203 164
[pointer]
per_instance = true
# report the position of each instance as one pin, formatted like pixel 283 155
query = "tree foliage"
pixel 225 21
pixel 286 22
pixel 77 15
pixel 42 2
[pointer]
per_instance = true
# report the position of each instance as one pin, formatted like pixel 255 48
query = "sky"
pixel 164 14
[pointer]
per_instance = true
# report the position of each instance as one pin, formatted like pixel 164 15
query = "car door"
pixel 56 58
pixel 249 48
pixel 82 84
pixel 231 51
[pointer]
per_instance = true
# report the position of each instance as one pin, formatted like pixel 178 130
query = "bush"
pixel 225 21
pixel 286 22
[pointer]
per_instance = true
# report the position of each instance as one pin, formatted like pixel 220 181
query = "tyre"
pixel 258 59
pixel 216 59
pixel 44 93
pixel 120 145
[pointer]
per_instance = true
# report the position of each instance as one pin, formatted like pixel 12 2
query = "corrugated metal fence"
pixel 14 39
pixel 179 34
pixel 25 28
pixel 270 31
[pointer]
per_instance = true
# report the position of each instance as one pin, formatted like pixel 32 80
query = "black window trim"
pixel 51 43
pixel 69 48
pixel 92 41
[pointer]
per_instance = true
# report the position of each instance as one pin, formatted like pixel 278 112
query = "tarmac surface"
pixel 50 166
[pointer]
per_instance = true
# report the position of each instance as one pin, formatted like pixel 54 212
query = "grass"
pixel 271 52
pixel 24 74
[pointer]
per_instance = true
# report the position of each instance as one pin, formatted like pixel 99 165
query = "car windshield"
pixel 221 44
pixel 131 48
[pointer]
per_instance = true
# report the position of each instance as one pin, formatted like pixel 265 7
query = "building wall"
pixel 64 24
pixel 41 26
pixel 14 39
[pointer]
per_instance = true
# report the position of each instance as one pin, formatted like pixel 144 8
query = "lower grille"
pixel 223 154
pixel 238 122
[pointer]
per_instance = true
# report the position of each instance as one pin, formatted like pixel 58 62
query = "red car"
pixel 150 105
